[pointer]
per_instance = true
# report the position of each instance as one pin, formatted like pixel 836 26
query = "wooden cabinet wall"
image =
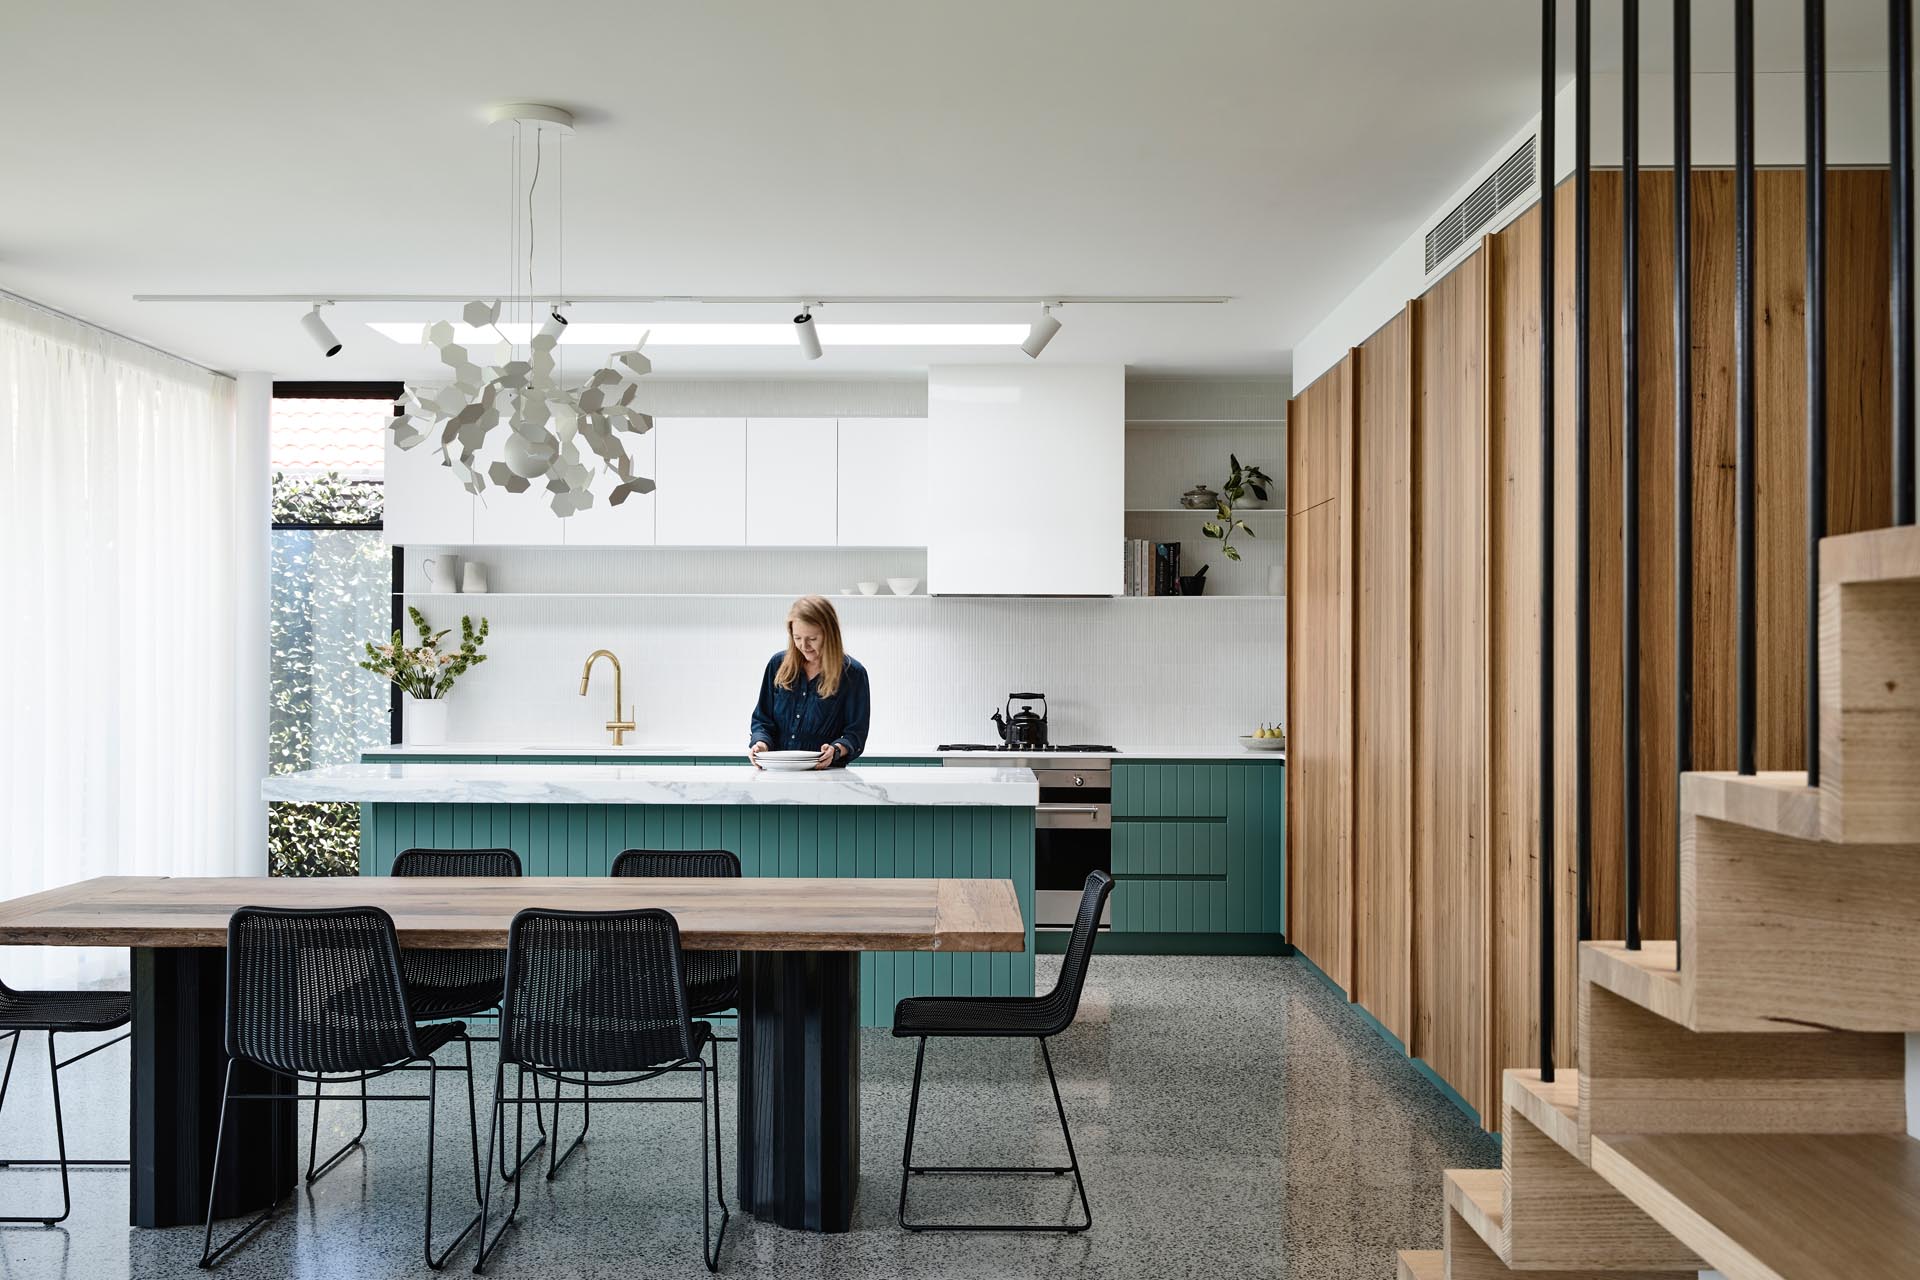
pixel 1319 652
pixel 1434 579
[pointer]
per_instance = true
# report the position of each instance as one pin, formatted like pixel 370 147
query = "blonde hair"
pixel 815 611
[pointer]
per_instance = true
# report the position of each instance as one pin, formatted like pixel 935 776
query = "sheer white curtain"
pixel 118 631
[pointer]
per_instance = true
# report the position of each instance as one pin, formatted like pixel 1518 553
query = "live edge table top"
pixel 747 914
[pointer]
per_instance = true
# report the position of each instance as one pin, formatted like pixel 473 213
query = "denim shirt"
pixel 799 719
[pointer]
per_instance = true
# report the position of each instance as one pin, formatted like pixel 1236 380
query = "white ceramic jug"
pixel 443 572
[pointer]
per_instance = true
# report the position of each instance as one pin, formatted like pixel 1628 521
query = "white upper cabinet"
pixel 701 470
pixel 631 523
pixel 1027 475
pixel 791 482
pixel 883 482
pixel 425 505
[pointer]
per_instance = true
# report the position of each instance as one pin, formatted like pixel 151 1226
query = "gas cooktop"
pixel 1096 747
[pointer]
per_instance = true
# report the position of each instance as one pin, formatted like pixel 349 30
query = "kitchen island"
pixel 567 819
pixel 953 838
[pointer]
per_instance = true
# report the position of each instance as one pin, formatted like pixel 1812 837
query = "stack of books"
pixel 1152 568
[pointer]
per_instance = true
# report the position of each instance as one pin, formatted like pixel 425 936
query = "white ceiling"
pixel 1271 151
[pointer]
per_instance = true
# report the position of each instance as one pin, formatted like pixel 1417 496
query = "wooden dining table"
pixel 799 1052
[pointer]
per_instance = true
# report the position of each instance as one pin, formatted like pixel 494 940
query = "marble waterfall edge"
pixel 408 783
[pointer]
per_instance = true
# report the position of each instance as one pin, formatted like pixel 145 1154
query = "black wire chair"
pixel 713 977
pixel 605 992
pixel 57 1012
pixel 312 994
pixel 458 982
pixel 1006 1017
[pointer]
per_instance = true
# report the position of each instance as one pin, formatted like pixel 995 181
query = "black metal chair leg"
pixel 556 1157
pixel 59 1131
pixel 992 1170
pixel 313 1142
pixel 913 1116
pixel 62 1160
pixel 496 1125
pixel 208 1254
pixel 709 1246
pixel 521 1157
pixel 1066 1132
pixel 473 1118
pixel 433 1108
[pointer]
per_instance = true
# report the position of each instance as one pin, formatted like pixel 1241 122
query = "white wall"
pixel 1167 671
pixel 1856 135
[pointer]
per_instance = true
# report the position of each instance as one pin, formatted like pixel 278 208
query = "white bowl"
pixel 903 586
pixel 1252 743
pixel 846 591
pixel 869 588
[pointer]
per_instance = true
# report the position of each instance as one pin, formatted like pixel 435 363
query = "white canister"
pixel 473 579
pixel 443 573
pixel 426 724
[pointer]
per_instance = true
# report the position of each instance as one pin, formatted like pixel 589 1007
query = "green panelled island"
pixel 571 816
pixel 1198 852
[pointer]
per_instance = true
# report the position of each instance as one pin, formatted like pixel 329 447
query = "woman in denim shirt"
pixel 813 697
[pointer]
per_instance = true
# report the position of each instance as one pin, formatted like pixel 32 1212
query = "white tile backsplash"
pixel 1177 672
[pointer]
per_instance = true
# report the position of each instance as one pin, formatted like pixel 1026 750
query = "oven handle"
pixel 1091 810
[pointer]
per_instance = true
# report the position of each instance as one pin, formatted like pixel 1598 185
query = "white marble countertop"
pixel 408 783
pixel 922 751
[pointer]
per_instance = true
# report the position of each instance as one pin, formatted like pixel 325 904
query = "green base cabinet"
pixel 770 840
pixel 1199 848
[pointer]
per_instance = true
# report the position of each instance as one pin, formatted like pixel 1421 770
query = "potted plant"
pixel 425 673
pixel 1242 481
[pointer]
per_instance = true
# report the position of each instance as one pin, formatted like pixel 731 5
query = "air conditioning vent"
pixel 1512 180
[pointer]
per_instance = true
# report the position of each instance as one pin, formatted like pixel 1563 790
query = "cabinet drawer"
pixel 1170 790
pixel 1170 849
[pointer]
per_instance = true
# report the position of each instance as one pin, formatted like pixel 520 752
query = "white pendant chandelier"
pixel 554 434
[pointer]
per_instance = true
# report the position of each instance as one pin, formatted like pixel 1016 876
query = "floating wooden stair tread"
pixel 1778 1206
pixel 1874 555
pixel 1553 1109
pixel 1422 1264
pixel 1780 802
pixel 1477 1195
pixel 1649 977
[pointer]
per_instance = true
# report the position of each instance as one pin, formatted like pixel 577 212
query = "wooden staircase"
pixel 1741 1100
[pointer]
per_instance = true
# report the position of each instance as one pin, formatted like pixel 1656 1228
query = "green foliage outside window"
pixel 330 588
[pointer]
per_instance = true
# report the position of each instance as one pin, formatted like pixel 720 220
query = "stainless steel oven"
pixel 1072 828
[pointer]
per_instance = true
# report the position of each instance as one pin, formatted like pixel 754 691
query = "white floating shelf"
pixel 1206 422
pixel 1239 513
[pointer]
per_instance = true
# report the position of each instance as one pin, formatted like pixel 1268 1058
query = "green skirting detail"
pixel 1054 942
pixel 1380 1028
pixel 770 840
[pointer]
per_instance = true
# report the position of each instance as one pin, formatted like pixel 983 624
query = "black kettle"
pixel 1025 727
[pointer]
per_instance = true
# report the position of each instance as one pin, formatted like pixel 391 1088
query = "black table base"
pixel 800 1087
pixel 179 1063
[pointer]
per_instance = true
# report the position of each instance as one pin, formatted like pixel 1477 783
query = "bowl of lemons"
pixel 1268 737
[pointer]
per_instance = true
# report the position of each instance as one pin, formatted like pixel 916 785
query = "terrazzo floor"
pixel 1234 1118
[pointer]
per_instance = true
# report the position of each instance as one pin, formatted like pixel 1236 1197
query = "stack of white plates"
pixel 789 761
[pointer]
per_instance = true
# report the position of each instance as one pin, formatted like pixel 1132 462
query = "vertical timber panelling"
pixel 1450 689
pixel 1319 689
pixel 1386 428
pixel 1513 636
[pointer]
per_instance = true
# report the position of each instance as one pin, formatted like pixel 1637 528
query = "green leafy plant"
pixel 425 670
pixel 1241 481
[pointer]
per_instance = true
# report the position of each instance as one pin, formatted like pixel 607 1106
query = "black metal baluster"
pixel 1682 414
pixel 1900 70
pixel 1816 60
pixel 1630 460
pixel 1548 961
pixel 1582 580
pixel 1744 667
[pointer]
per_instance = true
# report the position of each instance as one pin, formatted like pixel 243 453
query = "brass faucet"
pixel 617 726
